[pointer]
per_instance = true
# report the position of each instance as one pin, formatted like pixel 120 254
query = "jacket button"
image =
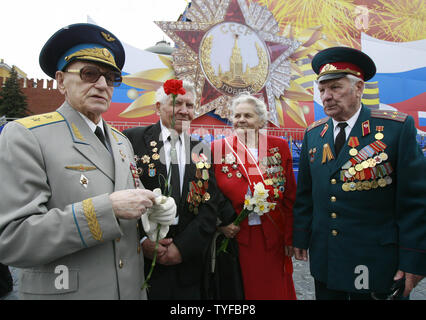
pixel 333 199
pixel 334 215
pixel 120 264
pixel 333 181
pixel 334 232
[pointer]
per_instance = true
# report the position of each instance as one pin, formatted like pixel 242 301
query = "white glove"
pixel 161 213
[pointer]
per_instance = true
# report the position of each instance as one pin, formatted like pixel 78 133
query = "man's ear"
pixel 157 107
pixel 360 88
pixel 59 76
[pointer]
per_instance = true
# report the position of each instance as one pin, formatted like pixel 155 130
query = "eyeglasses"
pixel 92 74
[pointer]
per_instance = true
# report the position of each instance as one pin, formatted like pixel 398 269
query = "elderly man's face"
pixel 184 111
pixel 339 98
pixel 91 99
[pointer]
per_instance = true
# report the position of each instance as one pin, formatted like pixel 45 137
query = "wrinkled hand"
pixel 289 251
pixel 171 257
pixel 411 280
pixel 148 248
pixel 300 254
pixel 132 203
pixel 230 231
pixel 162 214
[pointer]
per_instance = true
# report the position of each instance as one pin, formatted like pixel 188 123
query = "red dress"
pixel 266 271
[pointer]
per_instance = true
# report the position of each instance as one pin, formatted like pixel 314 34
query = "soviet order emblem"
pixel 234 59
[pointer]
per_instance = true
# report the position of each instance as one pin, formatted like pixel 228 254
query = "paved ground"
pixel 303 282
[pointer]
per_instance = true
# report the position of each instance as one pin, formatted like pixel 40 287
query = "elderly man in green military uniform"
pixel 70 191
pixel 361 191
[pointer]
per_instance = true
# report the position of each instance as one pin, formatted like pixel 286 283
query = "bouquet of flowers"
pixel 171 87
pixel 253 203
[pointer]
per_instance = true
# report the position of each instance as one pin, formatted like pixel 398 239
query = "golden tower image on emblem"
pixel 236 76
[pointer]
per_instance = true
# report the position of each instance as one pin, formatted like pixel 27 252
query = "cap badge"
pixel 328 67
pixel 107 37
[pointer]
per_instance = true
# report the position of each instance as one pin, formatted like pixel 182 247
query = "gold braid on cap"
pixel 97 54
pixel 329 68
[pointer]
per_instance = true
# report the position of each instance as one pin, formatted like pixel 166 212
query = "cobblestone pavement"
pixel 303 282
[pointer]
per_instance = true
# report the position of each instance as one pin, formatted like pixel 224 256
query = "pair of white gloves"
pixel 162 213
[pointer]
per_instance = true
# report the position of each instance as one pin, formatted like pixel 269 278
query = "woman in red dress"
pixel 264 242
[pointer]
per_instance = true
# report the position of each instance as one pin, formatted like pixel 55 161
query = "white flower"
pixel 229 158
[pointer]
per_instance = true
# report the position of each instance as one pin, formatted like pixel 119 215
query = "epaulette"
pixel 32 122
pixel 317 123
pixel 117 131
pixel 391 115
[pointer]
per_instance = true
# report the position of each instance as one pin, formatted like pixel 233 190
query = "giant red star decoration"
pixel 195 39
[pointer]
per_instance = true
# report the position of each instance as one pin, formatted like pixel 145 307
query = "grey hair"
pixel 162 97
pixel 259 106
pixel 353 79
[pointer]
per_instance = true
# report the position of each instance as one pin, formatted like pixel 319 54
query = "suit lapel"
pixel 86 142
pixel 155 135
pixel 121 161
pixel 189 168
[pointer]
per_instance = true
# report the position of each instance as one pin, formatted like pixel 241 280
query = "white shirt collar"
pixel 351 122
pixel 92 125
pixel 165 133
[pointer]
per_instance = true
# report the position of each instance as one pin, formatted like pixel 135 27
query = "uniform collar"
pixel 91 124
pixel 351 122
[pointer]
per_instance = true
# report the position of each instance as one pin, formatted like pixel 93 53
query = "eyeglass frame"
pixel 114 83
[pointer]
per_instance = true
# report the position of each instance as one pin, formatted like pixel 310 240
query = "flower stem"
pixel 224 244
pixel 145 284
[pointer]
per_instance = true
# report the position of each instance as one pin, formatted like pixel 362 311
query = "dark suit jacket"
pixel 194 231
pixel 6 281
pixel 381 228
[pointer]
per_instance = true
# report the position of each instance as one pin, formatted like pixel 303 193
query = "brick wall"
pixel 41 95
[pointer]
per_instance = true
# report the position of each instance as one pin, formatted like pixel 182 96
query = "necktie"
pixel 174 167
pixel 341 138
pixel 100 135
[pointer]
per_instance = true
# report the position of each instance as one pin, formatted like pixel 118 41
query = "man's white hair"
pixel 353 79
pixel 162 97
pixel 259 106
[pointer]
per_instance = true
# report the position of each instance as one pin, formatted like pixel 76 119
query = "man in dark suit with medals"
pixel 360 204
pixel 178 272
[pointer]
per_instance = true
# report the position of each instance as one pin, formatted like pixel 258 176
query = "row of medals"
pixel 271 165
pixel 202 176
pixel 369 163
pixel 274 170
pixel 152 171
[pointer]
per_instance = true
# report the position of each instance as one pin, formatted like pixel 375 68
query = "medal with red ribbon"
pixel 353 143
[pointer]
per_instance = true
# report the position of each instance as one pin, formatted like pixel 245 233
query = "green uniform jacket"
pixel 56 218
pixel 370 232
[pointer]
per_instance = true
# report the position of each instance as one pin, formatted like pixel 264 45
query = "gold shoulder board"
pixel 387 114
pixel 317 123
pixel 116 131
pixel 40 120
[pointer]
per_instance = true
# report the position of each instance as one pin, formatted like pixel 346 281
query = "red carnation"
pixel 173 86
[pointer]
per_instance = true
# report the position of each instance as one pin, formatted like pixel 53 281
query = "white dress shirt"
pixel 351 123
pixel 93 126
pixel 180 150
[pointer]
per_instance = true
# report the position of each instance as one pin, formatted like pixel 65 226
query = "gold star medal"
pixel 84 181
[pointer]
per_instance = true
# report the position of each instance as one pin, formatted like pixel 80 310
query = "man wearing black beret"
pixel 361 190
pixel 71 197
